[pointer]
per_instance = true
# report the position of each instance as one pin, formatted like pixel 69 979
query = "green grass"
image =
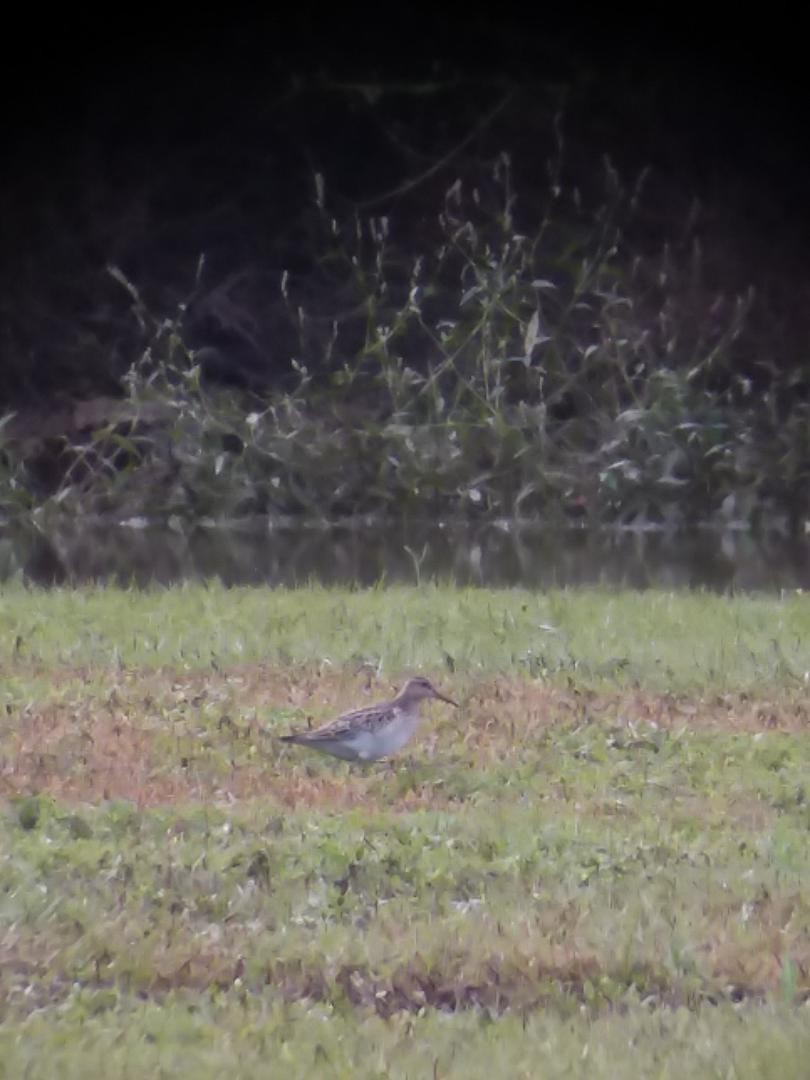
pixel 592 878
pixel 657 640
pixel 183 1037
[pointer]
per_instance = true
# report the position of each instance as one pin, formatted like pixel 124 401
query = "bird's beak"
pixel 443 697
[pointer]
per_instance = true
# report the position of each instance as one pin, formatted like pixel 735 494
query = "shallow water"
pixel 493 555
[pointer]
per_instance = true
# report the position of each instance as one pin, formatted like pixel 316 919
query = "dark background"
pixel 145 142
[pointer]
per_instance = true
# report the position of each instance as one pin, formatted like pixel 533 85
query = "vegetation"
pixel 599 864
pixel 679 642
pixel 525 359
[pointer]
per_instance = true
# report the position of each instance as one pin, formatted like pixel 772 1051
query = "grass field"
pixel 597 867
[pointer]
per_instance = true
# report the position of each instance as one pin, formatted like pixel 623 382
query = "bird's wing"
pixel 366 719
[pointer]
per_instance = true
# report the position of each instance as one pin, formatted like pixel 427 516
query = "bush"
pixel 543 370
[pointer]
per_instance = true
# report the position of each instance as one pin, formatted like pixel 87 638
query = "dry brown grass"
pixel 170 737
pixel 647 812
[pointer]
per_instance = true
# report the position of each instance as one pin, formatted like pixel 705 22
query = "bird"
pixel 376 731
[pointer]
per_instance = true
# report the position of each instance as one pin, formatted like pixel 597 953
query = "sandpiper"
pixel 376 731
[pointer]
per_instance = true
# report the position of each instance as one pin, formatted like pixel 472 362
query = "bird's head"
pixel 419 689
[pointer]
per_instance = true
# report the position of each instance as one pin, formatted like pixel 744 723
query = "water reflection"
pixel 495 555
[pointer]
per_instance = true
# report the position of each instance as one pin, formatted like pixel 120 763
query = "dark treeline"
pixel 280 208
pixel 207 141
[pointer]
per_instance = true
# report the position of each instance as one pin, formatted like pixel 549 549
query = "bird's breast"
pixel 393 735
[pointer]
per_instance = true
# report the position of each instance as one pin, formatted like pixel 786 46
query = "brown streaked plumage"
pixel 376 731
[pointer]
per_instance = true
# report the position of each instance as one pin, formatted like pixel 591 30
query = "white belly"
pixel 370 745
